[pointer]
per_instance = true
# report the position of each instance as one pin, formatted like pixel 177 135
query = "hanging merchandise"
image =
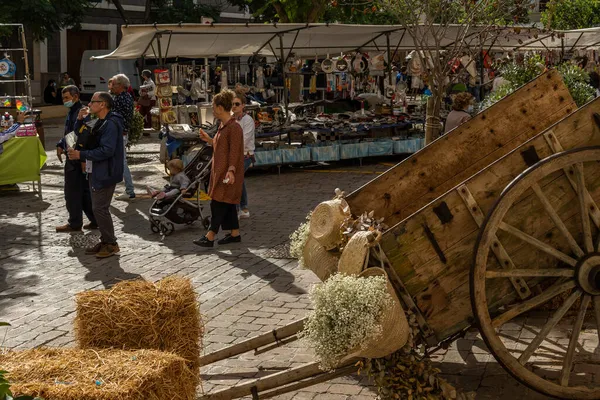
pixel 327 65
pixel 316 67
pixel 6 121
pixel 377 64
pixel 468 63
pixel 164 92
pixel 7 68
pixel 359 63
pixel 6 102
pixel 330 83
pixel 341 65
pixel 223 80
pixel 414 67
pixel 352 88
pixel 260 79
pixel 22 106
pixel 313 85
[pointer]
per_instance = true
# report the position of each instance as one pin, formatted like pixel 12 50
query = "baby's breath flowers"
pixel 298 240
pixel 347 314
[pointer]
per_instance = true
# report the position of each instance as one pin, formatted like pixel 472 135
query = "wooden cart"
pixel 491 221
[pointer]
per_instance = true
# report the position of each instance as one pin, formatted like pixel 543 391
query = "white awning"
pixel 309 40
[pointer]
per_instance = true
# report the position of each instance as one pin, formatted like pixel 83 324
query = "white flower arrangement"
pixel 298 240
pixel 347 314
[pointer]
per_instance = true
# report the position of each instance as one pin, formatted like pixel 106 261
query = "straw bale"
pixel 75 374
pixel 142 315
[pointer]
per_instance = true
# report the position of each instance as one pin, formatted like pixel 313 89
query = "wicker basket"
pixel 395 326
pixel 326 220
pixel 320 261
pixel 355 254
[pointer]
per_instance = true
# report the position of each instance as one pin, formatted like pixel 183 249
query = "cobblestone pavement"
pixel 242 292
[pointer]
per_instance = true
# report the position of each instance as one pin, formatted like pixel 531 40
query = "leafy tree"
pixel 571 14
pixel 43 17
pixel 431 22
pixel 285 11
pixel 186 11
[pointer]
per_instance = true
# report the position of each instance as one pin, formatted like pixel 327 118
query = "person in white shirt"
pixel 247 124
pixel 147 98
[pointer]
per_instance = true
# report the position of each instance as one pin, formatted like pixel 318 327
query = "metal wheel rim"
pixel 477 278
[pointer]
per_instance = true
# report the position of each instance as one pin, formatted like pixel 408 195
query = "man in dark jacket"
pixel 77 192
pixel 104 164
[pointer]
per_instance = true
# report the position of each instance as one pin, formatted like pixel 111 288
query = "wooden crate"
pixel 438 279
pixel 454 157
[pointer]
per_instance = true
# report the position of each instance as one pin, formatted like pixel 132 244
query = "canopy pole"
pixel 389 70
pixel 160 59
pixel 285 89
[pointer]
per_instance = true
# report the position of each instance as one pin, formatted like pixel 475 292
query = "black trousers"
pixel 77 195
pixel 224 215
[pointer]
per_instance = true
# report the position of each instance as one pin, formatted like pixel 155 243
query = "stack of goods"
pixel 74 374
pixel 164 93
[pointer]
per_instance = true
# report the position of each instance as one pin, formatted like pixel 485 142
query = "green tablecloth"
pixel 22 159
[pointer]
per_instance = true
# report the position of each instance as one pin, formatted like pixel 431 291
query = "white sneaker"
pixel 243 214
pixel 125 197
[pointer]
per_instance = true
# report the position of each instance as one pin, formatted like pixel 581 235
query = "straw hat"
pixel 354 256
pixel 395 326
pixel 320 261
pixel 326 220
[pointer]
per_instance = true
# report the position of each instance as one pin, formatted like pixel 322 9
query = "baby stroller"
pixel 181 209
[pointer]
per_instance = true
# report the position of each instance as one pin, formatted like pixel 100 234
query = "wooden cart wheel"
pixel 538 220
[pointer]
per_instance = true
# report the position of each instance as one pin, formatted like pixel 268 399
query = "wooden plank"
pixel 458 155
pixel 441 291
pixel 498 249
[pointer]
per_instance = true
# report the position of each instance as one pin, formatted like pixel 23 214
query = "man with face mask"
pixel 77 194
pixel 103 155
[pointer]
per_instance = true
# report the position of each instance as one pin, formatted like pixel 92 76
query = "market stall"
pixel 21 161
pixel 354 64
pixel 22 152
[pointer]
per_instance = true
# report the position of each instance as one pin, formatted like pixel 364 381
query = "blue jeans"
pixel 129 189
pixel 244 202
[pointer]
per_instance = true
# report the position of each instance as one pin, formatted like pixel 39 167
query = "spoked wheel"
pixel 542 220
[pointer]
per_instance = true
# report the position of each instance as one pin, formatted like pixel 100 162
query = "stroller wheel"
pixel 154 227
pixel 167 228
pixel 206 222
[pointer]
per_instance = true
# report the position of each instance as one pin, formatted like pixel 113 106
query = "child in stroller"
pixel 173 203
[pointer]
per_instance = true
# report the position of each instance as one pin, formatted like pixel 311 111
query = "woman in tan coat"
pixel 227 174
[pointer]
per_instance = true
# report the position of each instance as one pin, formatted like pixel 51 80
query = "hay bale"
pixel 142 315
pixel 74 374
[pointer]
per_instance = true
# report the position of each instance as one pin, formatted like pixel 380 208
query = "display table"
pixel 21 161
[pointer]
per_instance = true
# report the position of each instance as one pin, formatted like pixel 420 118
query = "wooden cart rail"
pixel 456 156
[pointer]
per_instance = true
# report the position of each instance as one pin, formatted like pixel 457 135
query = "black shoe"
pixel 90 226
pixel 230 239
pixel 204 242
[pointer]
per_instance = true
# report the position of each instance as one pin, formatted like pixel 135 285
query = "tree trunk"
pixel 433 125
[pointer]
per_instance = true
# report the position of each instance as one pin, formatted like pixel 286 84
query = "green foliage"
pixel 571 14
pixel 186 11
pixel 577 80
pixel 136 129
pixel 301 11
pixel 368 14
pixel 43 17
pixel 521 73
